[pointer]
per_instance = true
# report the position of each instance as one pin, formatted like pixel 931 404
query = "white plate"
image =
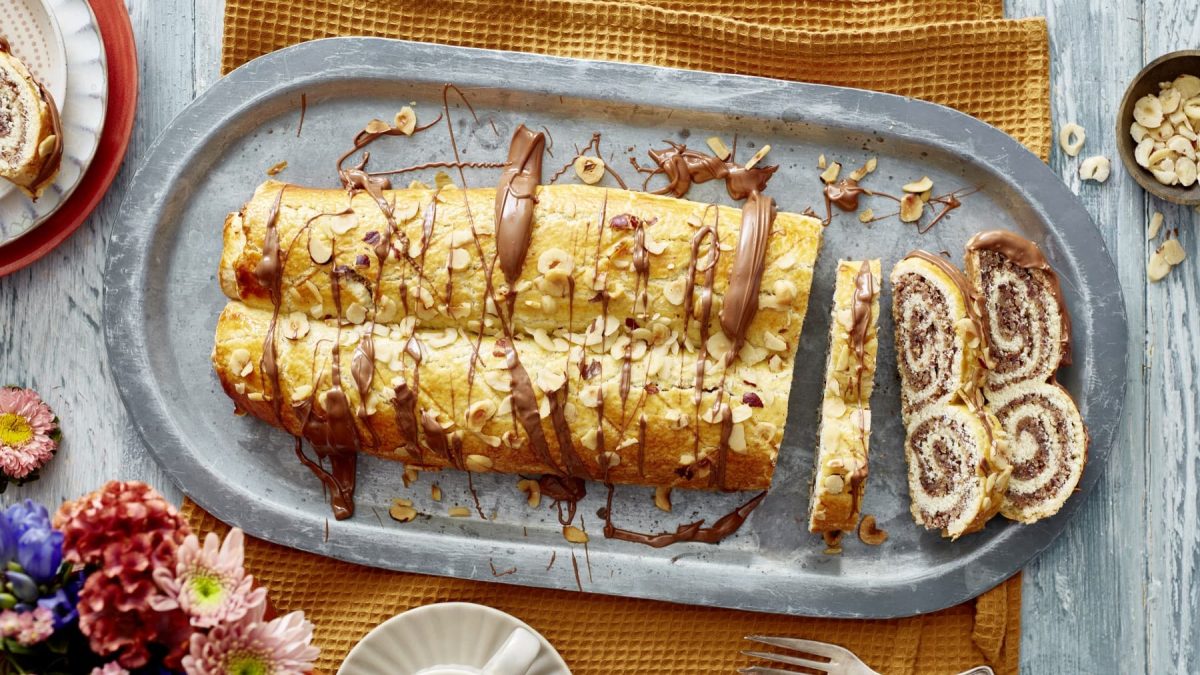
pixel 443 634
pixel 82 99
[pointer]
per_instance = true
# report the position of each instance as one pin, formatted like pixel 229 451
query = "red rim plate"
pixel 117 33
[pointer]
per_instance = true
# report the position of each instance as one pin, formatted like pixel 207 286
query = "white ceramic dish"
pixel 458 637
pixel 82 99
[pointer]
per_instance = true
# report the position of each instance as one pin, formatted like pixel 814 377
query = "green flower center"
pixel 246 664
pixel 207 589
pixel 14 430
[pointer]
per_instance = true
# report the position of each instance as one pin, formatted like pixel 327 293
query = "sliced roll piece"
pixel 1046 445
pixel 956 471
pixel 636 248
pixel 30 130
pixel 939 347
pixel 841 470
pixel 1027 325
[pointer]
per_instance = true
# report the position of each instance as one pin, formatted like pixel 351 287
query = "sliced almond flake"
pixel 831 174
pixel 1172 252
pixel 762 152
pixel 1158 267
pixel 1156 222
pixel 718 147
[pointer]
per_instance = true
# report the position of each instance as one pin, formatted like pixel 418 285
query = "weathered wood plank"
pixel 1084 596
pixel 51 312
pixel 1117 593
pixel 1173 343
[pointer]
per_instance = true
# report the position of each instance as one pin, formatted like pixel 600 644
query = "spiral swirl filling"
pixel 1021 327
pixel 945 473
pixel 1039 449
pixel 929 350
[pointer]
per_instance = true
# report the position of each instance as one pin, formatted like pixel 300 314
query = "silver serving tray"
pixel 162 300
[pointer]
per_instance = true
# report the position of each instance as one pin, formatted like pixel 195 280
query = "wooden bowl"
pixel 1163 69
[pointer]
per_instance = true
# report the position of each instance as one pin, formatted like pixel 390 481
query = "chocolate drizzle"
pixel 515 199
pixel 1025 253
pixel 745 277
pixel 858 336
pixel 447 446
pixel 683 167
pixel 860 311
pixel 725 526
pixel 269 273
pixel 525 407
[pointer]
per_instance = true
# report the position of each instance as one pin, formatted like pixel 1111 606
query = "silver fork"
pixel 819 656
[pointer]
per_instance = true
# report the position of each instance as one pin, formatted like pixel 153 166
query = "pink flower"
pixel 110 668
pixel 124 531
pixel 10 623
pixel 28 432
pixel 27 628
pixel 208 584
pixel 281 646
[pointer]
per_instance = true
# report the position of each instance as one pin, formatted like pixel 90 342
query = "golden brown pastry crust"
pixel 566 219
pixel 551 342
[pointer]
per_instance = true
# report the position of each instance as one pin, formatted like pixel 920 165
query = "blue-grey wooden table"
pixel 1119 592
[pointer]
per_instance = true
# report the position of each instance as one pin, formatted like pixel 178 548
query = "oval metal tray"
pixel 162 300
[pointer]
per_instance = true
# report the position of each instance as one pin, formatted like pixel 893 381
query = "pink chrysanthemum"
pixel 208 584
pixel 28 432
pixel 281 646
pixel 110 668
pixel 125 531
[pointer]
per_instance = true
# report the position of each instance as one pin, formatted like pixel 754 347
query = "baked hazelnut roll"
pixel 664 356
pixel 939 350
pixel 30 131
pixel 636 248
pixel 1027 324
pixel 1046 447
pixel 956 475
pixel 841 470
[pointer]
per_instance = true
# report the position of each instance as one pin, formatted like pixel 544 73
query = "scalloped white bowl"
pixel 445 634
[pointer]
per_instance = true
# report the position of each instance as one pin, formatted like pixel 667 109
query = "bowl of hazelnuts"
pixel 1158 127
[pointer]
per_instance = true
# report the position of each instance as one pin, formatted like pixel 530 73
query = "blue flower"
pixel 63 603
pixel 27 515
pixel 8 541
pixel 40 553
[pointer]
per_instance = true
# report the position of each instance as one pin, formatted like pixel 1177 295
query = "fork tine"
pixel 760 670
pixel 822 666
pixel 807 646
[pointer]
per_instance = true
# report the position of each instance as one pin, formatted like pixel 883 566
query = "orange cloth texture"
pixel 994 69
pixel 610 635
pixel 960 53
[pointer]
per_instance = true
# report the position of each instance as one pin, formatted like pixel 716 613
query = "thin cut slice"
pixel 956 472
pixel 30 130
pixel 841 471
pixel 939 348
pixel 1046 447
pixel 1027 325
